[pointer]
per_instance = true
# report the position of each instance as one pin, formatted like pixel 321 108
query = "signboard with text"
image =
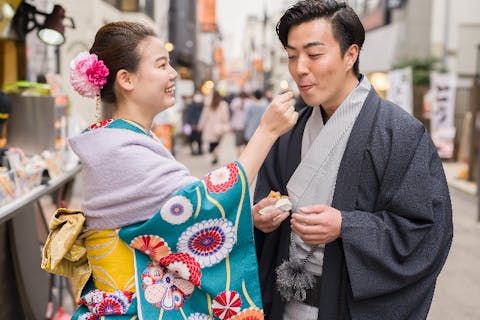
pixel 443 88
pixel 400 91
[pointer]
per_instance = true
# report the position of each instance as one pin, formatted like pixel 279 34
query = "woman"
pixel 237 121
pixel 129 178
pixel 214 123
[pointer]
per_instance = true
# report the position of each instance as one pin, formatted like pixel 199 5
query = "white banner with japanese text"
pixel 443 87
pixel 400 91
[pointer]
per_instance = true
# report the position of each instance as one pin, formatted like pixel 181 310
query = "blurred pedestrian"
pixel 237 121
pixel 5 109
pixel 137 196
pixel 268 94
pixel 214 123
pixel 371 224
pixel 254 112
pixel 194 111
pixel 186 128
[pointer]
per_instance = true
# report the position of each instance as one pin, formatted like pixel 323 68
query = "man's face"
pixel 316 64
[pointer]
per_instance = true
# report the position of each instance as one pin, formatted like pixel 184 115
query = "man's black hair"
pixel 258 94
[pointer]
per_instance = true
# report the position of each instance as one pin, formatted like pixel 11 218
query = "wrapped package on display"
pixel 8 186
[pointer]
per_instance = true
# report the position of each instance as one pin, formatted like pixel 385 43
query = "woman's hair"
pixel 216 99
pixel 116 44
pixel 243 95
pixel 347 27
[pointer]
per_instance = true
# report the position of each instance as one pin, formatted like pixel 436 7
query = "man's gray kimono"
pixel 396 219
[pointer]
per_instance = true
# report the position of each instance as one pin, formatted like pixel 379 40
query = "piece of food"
pixel 274 195
pixel 282 203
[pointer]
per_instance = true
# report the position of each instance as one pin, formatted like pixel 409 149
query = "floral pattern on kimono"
pixel 195 259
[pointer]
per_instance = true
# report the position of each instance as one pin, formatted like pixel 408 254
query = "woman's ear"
pixel 124 80
pixel 351 56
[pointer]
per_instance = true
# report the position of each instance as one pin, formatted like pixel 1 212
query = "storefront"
pixel 36 168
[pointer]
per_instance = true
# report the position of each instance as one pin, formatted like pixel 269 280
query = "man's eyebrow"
pixel 308 45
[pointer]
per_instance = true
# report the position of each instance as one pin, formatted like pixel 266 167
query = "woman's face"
pixel 155 78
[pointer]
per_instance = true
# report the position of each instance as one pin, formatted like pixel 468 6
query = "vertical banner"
pixel 207 15
pixel 443 88
pixel 400 91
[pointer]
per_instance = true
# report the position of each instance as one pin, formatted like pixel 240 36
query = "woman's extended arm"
pixel 279 117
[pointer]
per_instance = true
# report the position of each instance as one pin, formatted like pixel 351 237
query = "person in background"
pixel 371 224
pixel 268 95
pixel 254 112
pixel 214 123
pixel 194 111
pixel 5 109
pixel 237 120
pixel 136 195
pixel 186 128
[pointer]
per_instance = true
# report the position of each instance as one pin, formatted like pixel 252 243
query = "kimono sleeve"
pixel 196 256
pixel 268 179
pixel 269 176
pixel 406 240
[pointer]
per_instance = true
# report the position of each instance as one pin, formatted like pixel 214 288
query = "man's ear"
pixel 351 55
pixel 125 80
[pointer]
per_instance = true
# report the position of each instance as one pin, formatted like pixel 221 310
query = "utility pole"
pixel 475 106
pixel 445 34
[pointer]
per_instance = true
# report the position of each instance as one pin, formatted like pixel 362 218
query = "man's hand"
pixel 267 222
pixel 319 224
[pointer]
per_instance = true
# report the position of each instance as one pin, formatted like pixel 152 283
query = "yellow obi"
pixel 111 261
pixel 69 252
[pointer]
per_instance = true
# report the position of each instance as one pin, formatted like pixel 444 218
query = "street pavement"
pixel 457 295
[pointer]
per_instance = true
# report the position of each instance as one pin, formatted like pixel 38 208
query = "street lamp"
pixel 50 32
pixel 169 46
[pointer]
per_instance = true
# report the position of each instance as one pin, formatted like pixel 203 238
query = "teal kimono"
pixel 194 259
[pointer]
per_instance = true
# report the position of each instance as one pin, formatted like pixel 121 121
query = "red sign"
pixel 207 15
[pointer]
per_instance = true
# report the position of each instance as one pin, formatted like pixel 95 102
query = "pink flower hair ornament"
pixel 88 75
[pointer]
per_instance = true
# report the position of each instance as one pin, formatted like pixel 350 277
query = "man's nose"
pixel 302 65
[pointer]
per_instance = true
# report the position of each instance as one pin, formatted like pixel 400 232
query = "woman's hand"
pixel 280 115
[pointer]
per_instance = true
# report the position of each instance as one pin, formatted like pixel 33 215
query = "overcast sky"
pixel 232 15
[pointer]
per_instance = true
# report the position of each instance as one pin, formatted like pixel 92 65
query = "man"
pixel 371 223
pixel 194 111
pixel 253 113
